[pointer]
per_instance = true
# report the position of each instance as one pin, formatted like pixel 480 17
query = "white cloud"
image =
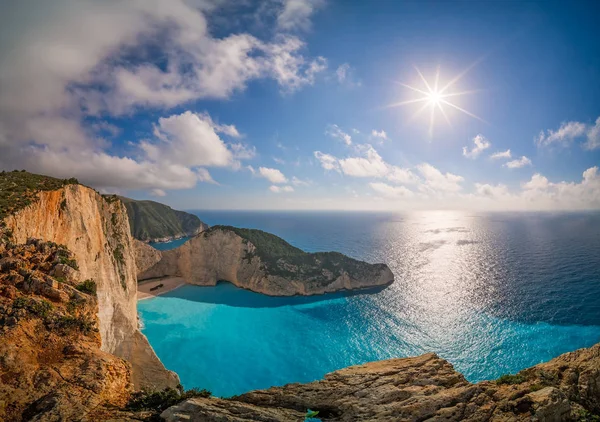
pixel 342 72
pixel 189 139
pixel 593 136
pixel 280 189
pixel 542 193
pixel 492 191
pixel 335 132
pixel 251 169
pixel 345 76
pixel 279 160
pixel 501 154
pixel 481 144
pixel 391 191
pixel 518 163
pixel 371 165
pixel 565 135
pixel 437 181
pixel 295 14
pixel 381 134
pixel 299 182
pixel 328 162
pixel 158 192
pixel 537 182
pixel 65 64
pixel 272 175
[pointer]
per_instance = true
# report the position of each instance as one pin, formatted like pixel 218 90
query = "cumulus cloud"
pixel 335 132
pixel 342 72
pixel 66 64
pixel 391 191
pixel 436 181
pixel 492 191
pixel 593 136
pixel 563 136
pixel 568 132
pixel 280 189
pixel 501 154
pixel 345 76
pixel 295 14
pixel 379 134
pixel 540 192
pixel 272 175
pixel 480 144
pixel 518 163
pixel 371 165
pixel 299 182
pixel 328 161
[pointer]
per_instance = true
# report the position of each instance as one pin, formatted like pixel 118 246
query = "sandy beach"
pixel 168 284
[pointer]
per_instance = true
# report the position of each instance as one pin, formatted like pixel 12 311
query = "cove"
pixel 231 341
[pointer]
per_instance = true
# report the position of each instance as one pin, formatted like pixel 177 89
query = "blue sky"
pixel 284 104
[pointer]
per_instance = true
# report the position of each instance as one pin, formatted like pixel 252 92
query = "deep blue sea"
pixel 492 293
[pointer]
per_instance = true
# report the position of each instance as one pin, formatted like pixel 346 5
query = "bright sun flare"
pixel 436 98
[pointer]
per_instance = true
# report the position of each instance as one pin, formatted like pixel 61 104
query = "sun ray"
pixel 413 88
pixel 435 98
pixel 468 113
pixel 444 114
pixel 401 103
pixel 461 74
pixel 456 94
pixel 423 79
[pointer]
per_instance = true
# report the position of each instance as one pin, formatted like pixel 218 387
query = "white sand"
pixel 170 283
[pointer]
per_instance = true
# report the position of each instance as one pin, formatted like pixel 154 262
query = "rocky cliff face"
pixel 417 389
pixel 51 365
pixel 97 231
pixel 221 253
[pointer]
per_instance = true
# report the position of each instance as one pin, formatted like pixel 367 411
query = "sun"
pixel 436 98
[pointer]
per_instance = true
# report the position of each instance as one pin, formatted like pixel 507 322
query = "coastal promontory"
pixel 264 263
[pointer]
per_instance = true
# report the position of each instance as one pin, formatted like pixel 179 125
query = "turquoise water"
pixel 163 246
pixel 492 293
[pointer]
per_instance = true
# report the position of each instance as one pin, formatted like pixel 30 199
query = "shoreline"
pixel 169 284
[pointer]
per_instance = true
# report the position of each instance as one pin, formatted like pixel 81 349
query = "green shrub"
pixel 41 308
pixel 585 416
pixel 80 323
pixel 161 400
pixel 118 254
pixel 511 379
pixel 87 286
pixel 69 261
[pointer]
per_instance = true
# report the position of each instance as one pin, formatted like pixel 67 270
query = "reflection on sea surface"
pixel 492 293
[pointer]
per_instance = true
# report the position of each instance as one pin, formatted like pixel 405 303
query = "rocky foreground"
pixel 424 388
pixel 261 262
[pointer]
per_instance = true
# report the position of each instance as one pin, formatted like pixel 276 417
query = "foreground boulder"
pixel 264 263
pixel 417 389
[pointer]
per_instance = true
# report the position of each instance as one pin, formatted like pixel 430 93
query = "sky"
pixel 307 104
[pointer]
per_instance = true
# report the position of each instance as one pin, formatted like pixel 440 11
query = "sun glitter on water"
pixel 436 98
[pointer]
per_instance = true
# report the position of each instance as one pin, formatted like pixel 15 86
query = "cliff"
pixel 264 263
pixel 154 222
pixel 417 389
pixel 51 365
pixel 97 232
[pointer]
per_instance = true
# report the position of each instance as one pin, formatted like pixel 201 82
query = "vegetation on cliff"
pixel 281 258
pixel 50 359
pixel 19 188
pixel 151 220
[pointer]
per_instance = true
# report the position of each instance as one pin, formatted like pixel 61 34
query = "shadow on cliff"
pixel 225 293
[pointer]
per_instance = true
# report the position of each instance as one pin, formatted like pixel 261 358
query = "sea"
pixel 492 293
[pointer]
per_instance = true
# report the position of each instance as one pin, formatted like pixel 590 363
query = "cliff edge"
pixel 423 388
pixel 152 221
pixel 264 263
pixel 96 230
